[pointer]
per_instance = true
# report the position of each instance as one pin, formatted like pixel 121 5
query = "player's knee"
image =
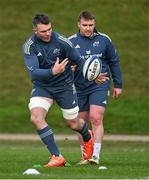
pixel 35 119
pixel 72 124
pixel 95 120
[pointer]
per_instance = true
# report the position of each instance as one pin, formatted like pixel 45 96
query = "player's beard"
pixel 46 38
pixel 88 33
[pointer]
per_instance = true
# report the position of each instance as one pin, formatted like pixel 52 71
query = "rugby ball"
pixel 92 68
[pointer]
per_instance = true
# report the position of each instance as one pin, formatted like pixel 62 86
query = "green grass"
pixel 125 21
pixel 123 160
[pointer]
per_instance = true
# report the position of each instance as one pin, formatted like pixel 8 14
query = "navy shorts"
pixel 99 98
pixel 66 98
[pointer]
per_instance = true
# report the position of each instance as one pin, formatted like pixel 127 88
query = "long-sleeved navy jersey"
pixel 101 46
pixel 40 57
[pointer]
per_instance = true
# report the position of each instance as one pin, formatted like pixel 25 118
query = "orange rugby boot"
pixel 56 161
pixel 88 147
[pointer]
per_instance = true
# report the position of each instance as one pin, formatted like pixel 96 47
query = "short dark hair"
pixel 40 18
pixel 86 15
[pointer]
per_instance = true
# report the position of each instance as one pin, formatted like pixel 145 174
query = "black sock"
pixel 85 133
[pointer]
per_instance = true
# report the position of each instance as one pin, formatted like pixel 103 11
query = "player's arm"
pixel 36 73
pixel 32 64
pixel 114 65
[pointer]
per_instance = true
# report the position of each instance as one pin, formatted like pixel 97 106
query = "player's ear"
pixel 79 25
pixel 34 30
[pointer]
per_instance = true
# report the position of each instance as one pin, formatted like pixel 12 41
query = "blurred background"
pixel 127 24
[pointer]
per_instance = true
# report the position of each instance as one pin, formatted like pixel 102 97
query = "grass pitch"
pixel 125 21
pixel 123 160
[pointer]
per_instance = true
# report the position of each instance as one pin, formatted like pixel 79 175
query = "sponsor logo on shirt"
pixel 89 55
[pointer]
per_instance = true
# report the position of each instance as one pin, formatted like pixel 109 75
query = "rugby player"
pixel 93 96
pixel 48 57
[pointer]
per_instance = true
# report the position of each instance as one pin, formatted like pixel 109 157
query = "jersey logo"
pixel 30 68
pixel 77 46
pixel 27 46
pixel 74 89
pixel 33 90
pixel 100 55
pixel 39 54
pixel 104 102
pixel 96 43
pixel 57 51
pixel 74 102
pixel 88 52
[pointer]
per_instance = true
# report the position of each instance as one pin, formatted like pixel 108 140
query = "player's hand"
pixel 101 78
pixel 59 67
pixel 117 93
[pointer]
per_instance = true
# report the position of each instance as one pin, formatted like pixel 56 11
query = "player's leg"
pixel 79 125
pixel 39 107
pixel 67 100
pixel 96 118
pixel 83 111
pixel 83 115
pixel 98 101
